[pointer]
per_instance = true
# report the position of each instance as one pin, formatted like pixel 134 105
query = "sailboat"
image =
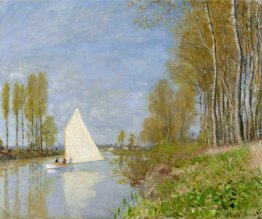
pixel 79 144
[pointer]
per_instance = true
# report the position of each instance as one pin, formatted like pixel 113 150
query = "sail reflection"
pixel 28 190
pixel 78 189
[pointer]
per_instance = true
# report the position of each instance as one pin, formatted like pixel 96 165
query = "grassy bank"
pixel 14 154
pixel 195 183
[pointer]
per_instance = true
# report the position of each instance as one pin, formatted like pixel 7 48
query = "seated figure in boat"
pixel 63 163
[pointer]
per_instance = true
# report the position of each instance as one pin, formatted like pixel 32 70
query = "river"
pixel 87 190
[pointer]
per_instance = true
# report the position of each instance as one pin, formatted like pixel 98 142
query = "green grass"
pixel 204 186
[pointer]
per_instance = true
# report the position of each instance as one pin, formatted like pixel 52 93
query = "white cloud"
pixel 96 58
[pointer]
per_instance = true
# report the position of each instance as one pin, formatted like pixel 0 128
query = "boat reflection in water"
pixel 87 190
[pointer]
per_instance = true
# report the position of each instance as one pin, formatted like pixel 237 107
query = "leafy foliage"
pixel 1 143
pixel 49 131
pixel 171 114
pixel 131 139
pixel 121 137
pixel 5 100
pixel 5 107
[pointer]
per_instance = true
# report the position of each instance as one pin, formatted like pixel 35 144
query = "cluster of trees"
pixel 29 106
pixel 216 66
pixel 132 140
pixel 171 114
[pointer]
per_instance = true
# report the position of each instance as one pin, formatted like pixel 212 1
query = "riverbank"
pixel 195 183
pixel 14 154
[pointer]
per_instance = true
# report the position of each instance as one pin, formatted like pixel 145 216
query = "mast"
pixel 64 143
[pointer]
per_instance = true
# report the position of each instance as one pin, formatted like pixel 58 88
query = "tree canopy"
pixel 216 66
pixel 121 137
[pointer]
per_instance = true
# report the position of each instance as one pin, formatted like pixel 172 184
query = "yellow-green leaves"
pixel 159 127
pixel 131 139
pixel 49 131
pixel 121 137
pixel 5 100
pixel 5 107
pixel 17 103
pixel 16 99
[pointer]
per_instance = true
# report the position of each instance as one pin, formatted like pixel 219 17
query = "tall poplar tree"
pixel 121 137
pixel 5 107
pixel 16 107
pixel 22 109
pixel 30 106
pixel 43 97
pixel 49 130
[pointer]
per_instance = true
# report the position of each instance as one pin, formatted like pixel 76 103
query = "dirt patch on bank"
pixel 160 173
pixel 256 155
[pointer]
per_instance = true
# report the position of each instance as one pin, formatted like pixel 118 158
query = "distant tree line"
pixel 29 106
pixel 216 67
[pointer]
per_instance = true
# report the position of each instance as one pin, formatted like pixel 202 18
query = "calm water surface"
pixel 88 190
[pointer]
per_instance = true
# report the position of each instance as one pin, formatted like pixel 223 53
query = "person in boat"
pixel 56 160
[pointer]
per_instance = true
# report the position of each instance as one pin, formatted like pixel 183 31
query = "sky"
pixel 95 56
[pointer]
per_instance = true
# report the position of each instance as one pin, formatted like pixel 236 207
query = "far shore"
pixel 15 154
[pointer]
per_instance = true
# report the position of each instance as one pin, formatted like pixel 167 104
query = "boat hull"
pixel 54 165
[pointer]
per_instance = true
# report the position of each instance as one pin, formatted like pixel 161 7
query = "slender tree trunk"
pixel 243 106
pixel 226 114
pixel 223 116
pixel 209 120
pixel 232 131
pixel 214 83
pixel 16 119
pixel 250 98
pixel 41 132
pixel 32 133
pixel 36 134
pixel 205 119
pixel 22 125
pixel 28 136
pixel 6 125
pixel 237 113
pixel 258 66
pixel 251 81
pixel 220 111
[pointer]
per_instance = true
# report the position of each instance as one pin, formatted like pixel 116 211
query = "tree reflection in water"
pixel 89 190
pixel 24 190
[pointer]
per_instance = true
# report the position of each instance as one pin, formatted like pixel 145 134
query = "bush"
pixel 1 143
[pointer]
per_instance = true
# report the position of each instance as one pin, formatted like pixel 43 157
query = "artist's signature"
pixel 253 214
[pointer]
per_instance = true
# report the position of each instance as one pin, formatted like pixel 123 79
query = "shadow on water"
pixel 81 191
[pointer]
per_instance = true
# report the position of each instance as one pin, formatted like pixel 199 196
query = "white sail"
pixel 79 145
